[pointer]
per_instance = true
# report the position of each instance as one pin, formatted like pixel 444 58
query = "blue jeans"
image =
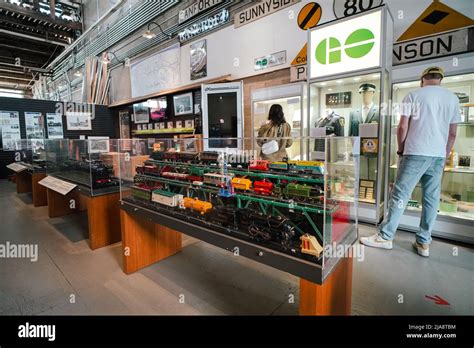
pixel 411 170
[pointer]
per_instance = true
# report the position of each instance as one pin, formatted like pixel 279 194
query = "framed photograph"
pixel 98 144
pixel 161 125
pixel 141 113
pixel 78 121
pixel 183 104
pixel 189 124
pixel 139 127
pixel 157 126
pixel 150 126
pixel 169 124
pixel 198 59
pixel 190 142
pixel 179 124
pixel 157 108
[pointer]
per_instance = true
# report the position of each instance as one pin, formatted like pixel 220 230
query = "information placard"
pixel 58 185
pixel 16 167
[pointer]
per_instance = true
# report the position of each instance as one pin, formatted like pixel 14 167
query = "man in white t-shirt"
pixel 425 135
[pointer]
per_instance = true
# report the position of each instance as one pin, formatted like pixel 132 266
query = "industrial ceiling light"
pixel 77 73
pixel 148 34
pixel 107 59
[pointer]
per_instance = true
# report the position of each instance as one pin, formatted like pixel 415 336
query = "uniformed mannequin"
pixel 333 122
pixel 367 113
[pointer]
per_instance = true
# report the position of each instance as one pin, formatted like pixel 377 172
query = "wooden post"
pixel 40 197
pixel 23 182
pixel 104 220
pixel 145 242
pixel 333 297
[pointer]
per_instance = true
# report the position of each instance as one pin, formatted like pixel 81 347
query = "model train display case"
pixel 456 206
pixel 282 213
pixel 84 162
pixel 348 92
pixel 31 153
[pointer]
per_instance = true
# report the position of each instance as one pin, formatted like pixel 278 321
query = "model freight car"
pixel 259 165
pixel 241 184
pixel 209 157
pixel 197 205
pixel 216 179
pixel 141 193
pixel 175 176
pixel 263 187
pixel 167 198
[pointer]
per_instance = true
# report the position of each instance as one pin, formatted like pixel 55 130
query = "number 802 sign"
pixel 344 8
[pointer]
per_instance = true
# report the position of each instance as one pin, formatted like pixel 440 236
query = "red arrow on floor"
pixel 438 300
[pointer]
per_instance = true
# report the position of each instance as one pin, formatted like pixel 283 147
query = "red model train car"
pixel 263 187
pixel 259 165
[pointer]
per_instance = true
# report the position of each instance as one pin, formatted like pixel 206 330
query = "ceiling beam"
pixel 30 37
pixel 12 21
pixel 40 16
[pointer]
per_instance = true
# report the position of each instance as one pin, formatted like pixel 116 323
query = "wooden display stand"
pixel 145 242
pixel 333 297
pixel 40 197
pixel 23 182
pixel 102 212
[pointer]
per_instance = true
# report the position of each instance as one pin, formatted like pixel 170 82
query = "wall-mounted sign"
pixel 259 10
pixel 195 8
pixel 340 99
pixel 344 8
pixel 309 16
pixel 346 46
pixel 270 60
pixel 55 125
pixel 34 125
pixel 446 44
pixel 298 73
pixel 10 126
pixel 437 18
pixel 204 25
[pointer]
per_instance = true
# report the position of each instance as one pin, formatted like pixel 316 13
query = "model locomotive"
pixel 100 174
pixel 270 202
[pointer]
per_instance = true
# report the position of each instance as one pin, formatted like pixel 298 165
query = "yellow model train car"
pixel 197 205
pixel 241 184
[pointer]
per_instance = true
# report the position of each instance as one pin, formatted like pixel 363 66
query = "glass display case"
pixel 92 163
pixel 348 94
pixel 456 206
pixel 291 208
pixel 31 154
pixel 292 98
pixel 353 106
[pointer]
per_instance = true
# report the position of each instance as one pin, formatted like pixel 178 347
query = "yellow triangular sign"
pixel 437 18
pixel 301 56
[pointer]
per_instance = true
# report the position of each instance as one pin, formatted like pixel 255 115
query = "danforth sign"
pixel 346 46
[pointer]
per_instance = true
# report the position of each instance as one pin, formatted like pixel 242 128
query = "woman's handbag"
pixel 272 146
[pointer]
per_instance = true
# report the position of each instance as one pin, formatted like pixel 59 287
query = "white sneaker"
pixel 422 249
pixel 377 242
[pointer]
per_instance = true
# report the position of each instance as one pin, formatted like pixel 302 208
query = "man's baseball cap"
pixel 433 70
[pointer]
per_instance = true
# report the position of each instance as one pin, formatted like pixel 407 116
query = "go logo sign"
pixel 358 44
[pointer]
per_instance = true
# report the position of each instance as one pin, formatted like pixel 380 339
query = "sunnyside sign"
pixel 344 46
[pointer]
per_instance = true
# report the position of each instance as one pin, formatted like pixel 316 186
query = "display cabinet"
pixel 31 153
pixel 282 213
pixel 87 163
pixel 348 93
pixel 292 98
pixel 456 206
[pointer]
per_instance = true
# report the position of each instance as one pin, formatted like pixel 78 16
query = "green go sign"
pixel 346 45
pixel 357 45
